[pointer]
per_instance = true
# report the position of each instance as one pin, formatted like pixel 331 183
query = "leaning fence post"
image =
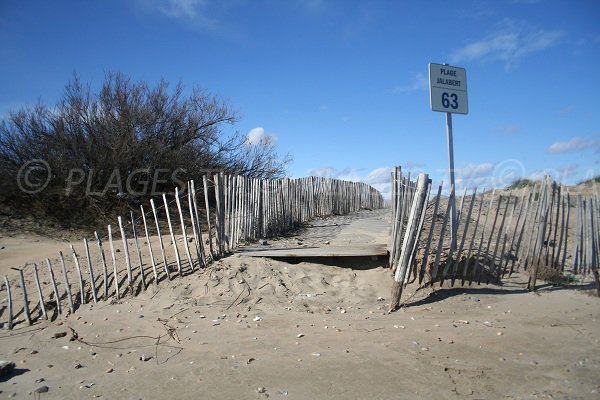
pixel 137 248
pixel 126 251
pixel 409 239
pixel 104 268
pixel 54 287
pixel 149 246
pixel 210 242
pixel 39 290
pixel 91 270
pixel 114 262
pixel 198 225
pixel 173 241
pixel 78 268
pixel 185 239
pixel 195 228
pixel 67 284
pixel 25 299
pixel 10 307
pixel 160 240
pixel 430 235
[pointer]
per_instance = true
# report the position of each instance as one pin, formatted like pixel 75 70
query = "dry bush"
pixel 547 273
pixel 117 141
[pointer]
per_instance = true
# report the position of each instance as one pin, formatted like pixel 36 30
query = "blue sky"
pixel 343 85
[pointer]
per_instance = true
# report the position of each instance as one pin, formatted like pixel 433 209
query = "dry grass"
pixel 547 272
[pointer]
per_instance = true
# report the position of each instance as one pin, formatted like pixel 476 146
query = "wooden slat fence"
pixel 188 230
pixel 497 234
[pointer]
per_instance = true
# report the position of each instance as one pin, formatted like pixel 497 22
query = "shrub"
pixel 521 183
pixel 114 148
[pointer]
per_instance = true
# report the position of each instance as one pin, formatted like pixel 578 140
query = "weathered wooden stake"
pixel 54 287
pixel 564 256
pixel 138 250
pixel 149 246
pixel 473 237
pixel 173 241
pixel 430 236
pixel 493 265
pixel 36 277
pixel 114 262
pixel 464 234
pixel 438 253
pixel 413 251
pixel 408 242
pixel 67 284
pixel 185 239
pixel 210 241
pixel 80 276
pixel 91 270
pixel 194 226
pixel 104 268
pixel 25 300
pixel 10 304
pixel 126 251
pixel 160 240
pixel 200 242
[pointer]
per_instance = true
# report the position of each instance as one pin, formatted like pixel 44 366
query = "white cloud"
pixel 192 12
pixel 566 171
pixel 376 176
pixel 412 166
pixel 349 174
pixel 258 135
pixel 183 8
pixel 419 82
pixel 508 129
pixel 380 178
pixel 486 175
pixel 511 42
pixel 560 174
pixel 573 145
pixel 472 171
pixel 323 172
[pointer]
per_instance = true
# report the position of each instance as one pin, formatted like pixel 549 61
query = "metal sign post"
pixel 448 93
pixel 453 221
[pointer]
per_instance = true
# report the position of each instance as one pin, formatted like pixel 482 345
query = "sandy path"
pixel 20 250
pixel 366 227
pixel 232 328
pixel 548 345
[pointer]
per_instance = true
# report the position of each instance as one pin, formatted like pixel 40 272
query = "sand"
pixel 255 328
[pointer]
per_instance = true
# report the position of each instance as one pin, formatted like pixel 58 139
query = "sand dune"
pixel 254 328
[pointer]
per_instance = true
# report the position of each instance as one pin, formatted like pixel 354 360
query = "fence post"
pixel 409 239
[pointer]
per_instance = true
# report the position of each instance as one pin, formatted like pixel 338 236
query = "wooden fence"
pixel 199 232
pixel 496 234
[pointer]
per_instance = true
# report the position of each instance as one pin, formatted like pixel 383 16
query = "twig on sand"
pixel 373 330
pixel 178 312
pixel 171 334
pixel 238 296
pixel 422 287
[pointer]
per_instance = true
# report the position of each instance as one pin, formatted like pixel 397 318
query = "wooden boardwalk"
pixel 361 234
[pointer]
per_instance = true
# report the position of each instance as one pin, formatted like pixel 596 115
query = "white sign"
pixel 448 89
